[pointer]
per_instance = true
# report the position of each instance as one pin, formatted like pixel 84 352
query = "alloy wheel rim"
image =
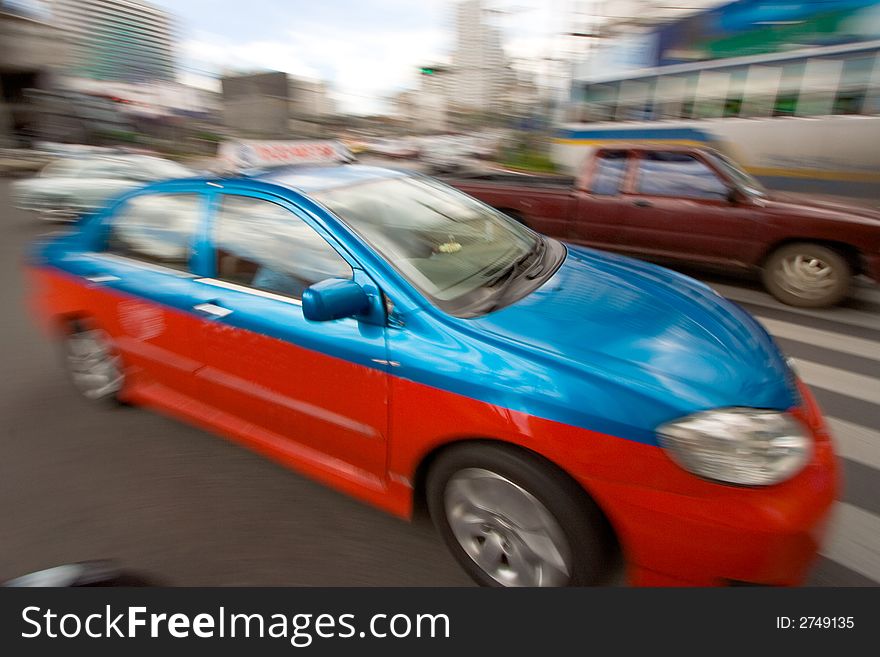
pixel 806 277
pixel 95 369
pixel 508 532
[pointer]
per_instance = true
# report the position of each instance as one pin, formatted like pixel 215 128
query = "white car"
pixel 69 187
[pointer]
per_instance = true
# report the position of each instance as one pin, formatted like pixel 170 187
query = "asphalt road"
pixel 183 507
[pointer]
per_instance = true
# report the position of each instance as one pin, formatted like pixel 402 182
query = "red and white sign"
pixel 256 154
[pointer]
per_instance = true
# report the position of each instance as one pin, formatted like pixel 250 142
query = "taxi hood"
pixel 659 331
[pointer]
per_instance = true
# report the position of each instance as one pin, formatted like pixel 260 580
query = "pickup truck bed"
pixel 513 178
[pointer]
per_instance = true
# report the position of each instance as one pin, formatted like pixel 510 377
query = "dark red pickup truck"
pixel 695 205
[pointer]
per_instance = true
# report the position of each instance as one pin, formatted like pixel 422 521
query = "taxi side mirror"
pixel 334 298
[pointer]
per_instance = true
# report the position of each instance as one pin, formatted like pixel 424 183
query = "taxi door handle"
pixel 212 309
pixel 643 204
pixel 109 278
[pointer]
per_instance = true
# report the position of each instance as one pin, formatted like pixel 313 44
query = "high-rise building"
pixel 482 71
pixel 117 40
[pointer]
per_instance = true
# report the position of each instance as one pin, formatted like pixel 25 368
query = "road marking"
pixel 840 381
pixel 855 442
pixel 819 338
pixel 854 540
pixel 842 315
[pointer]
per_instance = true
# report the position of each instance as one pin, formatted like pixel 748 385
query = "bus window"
pixel 667 97
pixel 872 97
pixel 789 89
pixel 854 84
pixel 821 79
pixel 735 89
pixel 602 101
pixel 711 94
pixel 762 83
pixel 633 102
pixel 689 94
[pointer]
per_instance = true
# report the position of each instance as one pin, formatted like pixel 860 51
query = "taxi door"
pixel 314 391
pixel 136 285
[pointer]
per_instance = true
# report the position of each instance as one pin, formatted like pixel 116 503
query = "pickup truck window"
pixel 678 174
pixel 609 172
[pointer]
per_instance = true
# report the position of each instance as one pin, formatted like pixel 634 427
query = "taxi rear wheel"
pixel 807 275
pixel 511 519
pixel 94 367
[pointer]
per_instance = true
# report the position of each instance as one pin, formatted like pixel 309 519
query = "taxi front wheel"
pixel 511 519
pixel 93 365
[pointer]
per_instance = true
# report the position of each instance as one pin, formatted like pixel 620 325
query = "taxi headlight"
pixel 745 446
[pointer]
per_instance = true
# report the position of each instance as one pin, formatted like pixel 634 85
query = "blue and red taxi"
pixel 559 410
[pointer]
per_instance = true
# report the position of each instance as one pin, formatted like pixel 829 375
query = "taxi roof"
pixel 316 178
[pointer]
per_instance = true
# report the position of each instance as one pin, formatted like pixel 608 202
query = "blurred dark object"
pixel 84 573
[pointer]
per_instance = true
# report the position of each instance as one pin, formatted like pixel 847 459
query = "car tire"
pixel 481 497
pixel 807 275
pixel 92 364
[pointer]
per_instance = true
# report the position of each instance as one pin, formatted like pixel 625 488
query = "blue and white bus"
pixel 807 120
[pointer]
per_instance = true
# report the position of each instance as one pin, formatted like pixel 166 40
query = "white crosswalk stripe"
pixel 825 339
pixel 844 382
pixel 855 442
pixel 842 315
pixel 854 540
pixel 853 537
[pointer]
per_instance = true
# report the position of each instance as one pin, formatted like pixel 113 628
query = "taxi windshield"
pixel 448 245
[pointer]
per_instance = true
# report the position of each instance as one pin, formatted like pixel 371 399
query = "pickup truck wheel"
pixel 511 520
pixel 807 275
pixel 94 367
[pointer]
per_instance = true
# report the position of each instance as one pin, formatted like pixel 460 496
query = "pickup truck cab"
pixel 695 205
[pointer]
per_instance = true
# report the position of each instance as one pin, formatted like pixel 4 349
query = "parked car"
pixel 446 155
pixel 694 205
pixel 69 187
pixel 558 408
pixel 401 148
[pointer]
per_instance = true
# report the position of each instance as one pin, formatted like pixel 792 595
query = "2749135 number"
pixel 815 622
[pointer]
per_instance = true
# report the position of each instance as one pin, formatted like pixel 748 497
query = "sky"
pixel 365 49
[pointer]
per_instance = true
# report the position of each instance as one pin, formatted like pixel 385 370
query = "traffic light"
pixel 427 70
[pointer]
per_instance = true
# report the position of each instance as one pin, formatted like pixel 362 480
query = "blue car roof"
pixel 317 178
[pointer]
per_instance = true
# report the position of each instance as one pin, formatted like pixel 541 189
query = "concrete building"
pixel 31 53
pixel 309 99
pixel 436 85
pixel 275 105
pixel 482 70
pixel 117 40
pixel 257 105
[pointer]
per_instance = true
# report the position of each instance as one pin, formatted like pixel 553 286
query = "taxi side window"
pixel 609 172
pixel 678 174
pixel 156 228
pixel 260 244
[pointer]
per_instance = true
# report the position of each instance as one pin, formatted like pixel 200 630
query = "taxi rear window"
pixel 156 228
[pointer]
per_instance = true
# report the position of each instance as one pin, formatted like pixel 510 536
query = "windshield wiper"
pixel 513 271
